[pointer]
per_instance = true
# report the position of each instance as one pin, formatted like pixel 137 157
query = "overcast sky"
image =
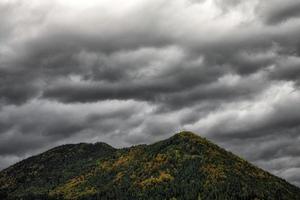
pixel 130 72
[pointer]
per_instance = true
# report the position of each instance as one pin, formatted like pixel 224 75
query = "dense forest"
pixel 182 167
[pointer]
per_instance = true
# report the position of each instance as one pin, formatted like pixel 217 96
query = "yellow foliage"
pixel 212 153
pixel 118 176
pixel 71 190
pixel 163 177
pixel 106 165
pixel 7 181
pixel 154 164
pixel 257 173
pixel 123 160
pixel 254 172
pixel 214 173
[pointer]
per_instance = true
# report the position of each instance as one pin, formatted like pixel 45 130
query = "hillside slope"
pixel 184 166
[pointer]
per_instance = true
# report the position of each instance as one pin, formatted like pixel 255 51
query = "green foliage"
pixel 182 167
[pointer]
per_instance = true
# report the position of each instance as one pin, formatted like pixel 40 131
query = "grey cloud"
pixel 8 160
pixel 56 52
pixel 18 92
pixel 228 70
pixel 14 146
pixel 34 125
pixel 292 174
pixel 151 78
pixel 226 89
pixel 227 5
pixel 282 116
pixel 272 154
pixel 274 12
pixel 287 69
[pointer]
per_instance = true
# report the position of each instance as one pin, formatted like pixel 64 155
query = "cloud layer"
pixel 138 72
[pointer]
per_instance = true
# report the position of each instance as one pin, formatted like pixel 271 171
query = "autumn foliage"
pixel 182 167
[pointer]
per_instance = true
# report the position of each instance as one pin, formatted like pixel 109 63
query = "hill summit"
pixel 182 167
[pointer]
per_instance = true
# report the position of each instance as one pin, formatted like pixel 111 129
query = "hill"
pixel 184 167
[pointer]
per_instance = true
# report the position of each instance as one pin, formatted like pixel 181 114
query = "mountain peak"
pixel 190 136
pixel 187 134
pixel 185 166
pixel 190 140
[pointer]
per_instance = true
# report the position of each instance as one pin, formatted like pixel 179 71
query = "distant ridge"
pixel 185 166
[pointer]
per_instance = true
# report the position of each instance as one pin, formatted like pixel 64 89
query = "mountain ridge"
pixel 184 166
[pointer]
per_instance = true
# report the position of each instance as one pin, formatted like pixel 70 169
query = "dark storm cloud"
pixel 287 69
pixel 57 52
pixel 14 92
pixel 278 154
pixel 40 125
pixel 77 71
pixel 267 115
pixel 140 85
pixel 276 11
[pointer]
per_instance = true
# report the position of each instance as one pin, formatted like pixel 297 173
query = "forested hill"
pixel 184 167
